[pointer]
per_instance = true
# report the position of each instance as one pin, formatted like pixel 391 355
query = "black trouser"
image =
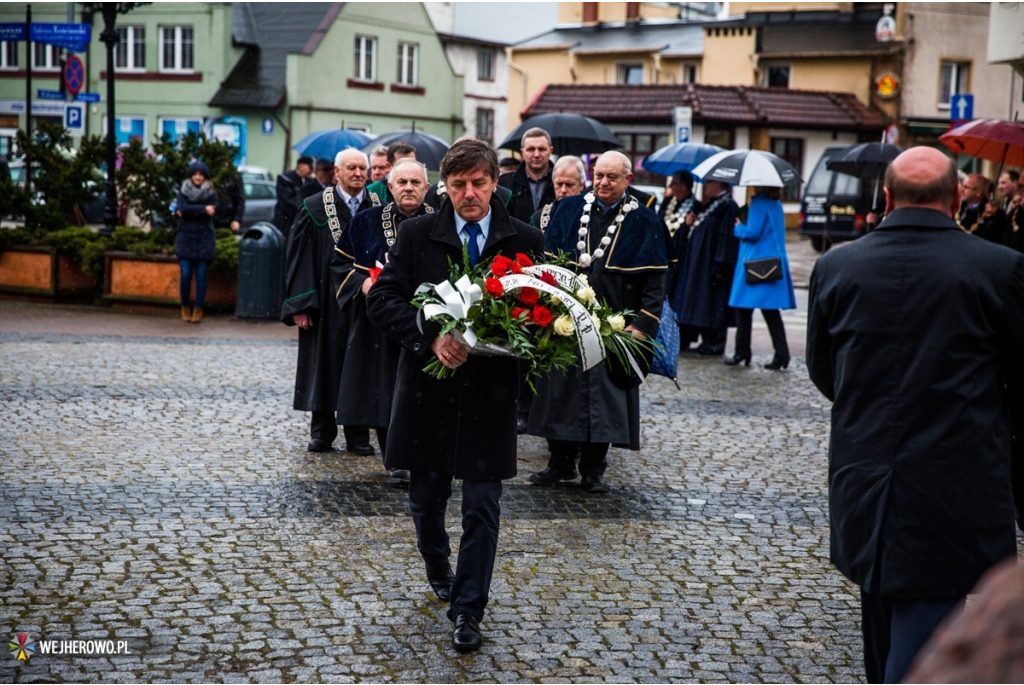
pixel 713 338
pixel 895 629
pixel 687 335
pixel 429 492
pixel 323 425
pixel 382 440
pixel 745 323
pixel 592 456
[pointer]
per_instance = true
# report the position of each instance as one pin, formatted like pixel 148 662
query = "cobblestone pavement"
pixel 157 491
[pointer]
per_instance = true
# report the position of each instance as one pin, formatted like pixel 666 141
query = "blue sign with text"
pixel 268 126
pixel 88 97
pixel 71 37
pixel 961 107
pixel 12 32
pixel 49 94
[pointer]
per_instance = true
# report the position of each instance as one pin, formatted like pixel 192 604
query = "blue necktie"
pixel 473 230
pixel 353 205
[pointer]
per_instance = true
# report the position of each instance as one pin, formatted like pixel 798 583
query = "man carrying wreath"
pixel 622 248
pixel 462 426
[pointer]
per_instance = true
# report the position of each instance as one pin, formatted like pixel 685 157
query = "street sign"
pixel 892 135
pixel 49 94
pixel 72 37
pixel 268 126
pixel 961 107
pixel 12 32
pixel 74 118
pixel 74 74
pixel 682 123
pixel 87 97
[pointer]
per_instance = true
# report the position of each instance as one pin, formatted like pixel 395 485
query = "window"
pixel 791 150
pixel 485 124
pixel 8 54
pixel 689 73
pixel 637 146
pixel 722 137
pixel 485 65
pixel 631 73
pixel 127 128
pixel 178 127
pixel 953 80
pixel 407 67
pixel 366 58
pixel 777 76
pixel 176 53
pixel 130 53
pixel 45 57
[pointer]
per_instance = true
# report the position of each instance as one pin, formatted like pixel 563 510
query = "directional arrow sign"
pixel 961 107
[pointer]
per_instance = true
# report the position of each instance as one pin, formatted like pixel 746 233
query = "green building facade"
pixel 262 75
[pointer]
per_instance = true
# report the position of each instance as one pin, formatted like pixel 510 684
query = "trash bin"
pixel 260 273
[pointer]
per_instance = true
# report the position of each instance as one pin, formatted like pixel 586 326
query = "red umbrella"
pixel 992 139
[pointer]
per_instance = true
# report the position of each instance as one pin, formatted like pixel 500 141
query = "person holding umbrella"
pixel 764 281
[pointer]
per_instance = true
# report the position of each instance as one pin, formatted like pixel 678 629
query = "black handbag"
pixel 764 270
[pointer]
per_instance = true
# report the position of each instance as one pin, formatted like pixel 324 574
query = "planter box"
pixel 153 280
pixel 41 273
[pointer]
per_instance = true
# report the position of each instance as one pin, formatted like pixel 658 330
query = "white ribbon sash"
pixel 457 301
pixel 566 278
pixel 592 350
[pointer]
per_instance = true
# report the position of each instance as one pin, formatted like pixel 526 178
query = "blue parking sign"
pixel 73 117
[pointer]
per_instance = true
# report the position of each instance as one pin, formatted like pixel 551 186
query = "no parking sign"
pixel 74 74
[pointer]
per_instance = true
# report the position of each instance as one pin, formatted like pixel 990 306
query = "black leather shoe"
pixel 318 445
pixel 399 478
pixel 737 359
pixel 594 484
pixel 520 426
pixel 778 364
pixel 551 475
pixel 467 635
pixel 363 449
pixel 441 579
pixel 708 351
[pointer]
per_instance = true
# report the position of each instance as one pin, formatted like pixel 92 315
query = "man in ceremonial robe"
pixel 380 190
pixel 371 358
pixel 310 302
pixel 674 212
pixel 463 426
pixel 582 413
pixel 569 178
pixel 323 176
pixel 975 190
pixel 705 278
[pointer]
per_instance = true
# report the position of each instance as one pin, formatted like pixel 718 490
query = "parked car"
pixel 260 199
pixel 657 191
pixel 254 173
pixel 834 205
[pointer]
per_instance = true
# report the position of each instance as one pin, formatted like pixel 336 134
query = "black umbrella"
pixel 865 161
pixel 571 134
pixel 430 149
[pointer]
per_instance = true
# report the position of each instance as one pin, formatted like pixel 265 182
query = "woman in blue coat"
pixel 196 241
pixel 763 236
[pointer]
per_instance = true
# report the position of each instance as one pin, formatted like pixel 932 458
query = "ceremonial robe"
pixel 585 406
pixel 679 239
pixel 308 291
pixel 371 358
pixel 463 425
pixel 705 280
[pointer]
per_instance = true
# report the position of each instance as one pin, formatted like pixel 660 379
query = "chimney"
pixel 589 13
pixel 632 12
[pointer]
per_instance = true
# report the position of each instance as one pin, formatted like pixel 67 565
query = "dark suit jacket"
pixel 518 183
pixel 916 332
pixel 465 424
pixel 289 199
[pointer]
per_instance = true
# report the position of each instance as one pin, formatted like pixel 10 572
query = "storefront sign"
pixel 887 85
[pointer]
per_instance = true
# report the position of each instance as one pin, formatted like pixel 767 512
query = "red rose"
pixel 546 277
pixel 494 287
pixel 501 265
pixel 520 313
pixel 528 296
pixel 542 316
pixel 523 260
pixel 514 268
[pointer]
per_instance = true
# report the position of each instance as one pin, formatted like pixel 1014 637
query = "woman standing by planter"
pixel 763 280
pixel 196 243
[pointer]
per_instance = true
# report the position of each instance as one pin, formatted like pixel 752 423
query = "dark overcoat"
pixel 518 184
pixel 916 333
pixel 308 291
pixel 196 239
pixel 587 406
pixel 371 358
pixel 705 278
pixel 464 425
pixel 673 288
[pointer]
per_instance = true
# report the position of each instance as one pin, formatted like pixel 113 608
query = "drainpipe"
pixel 659 70
pixel 522 72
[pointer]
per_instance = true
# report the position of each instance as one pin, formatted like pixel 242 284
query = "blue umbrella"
pixel 679 157
pixel 326 144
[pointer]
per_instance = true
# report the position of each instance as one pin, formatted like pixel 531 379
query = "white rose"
pixel 586 294
pixel 555 301
pixel 563 325
pixel 583 279
pixel 617 322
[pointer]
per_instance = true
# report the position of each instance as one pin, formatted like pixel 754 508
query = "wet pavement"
pixel 157 493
